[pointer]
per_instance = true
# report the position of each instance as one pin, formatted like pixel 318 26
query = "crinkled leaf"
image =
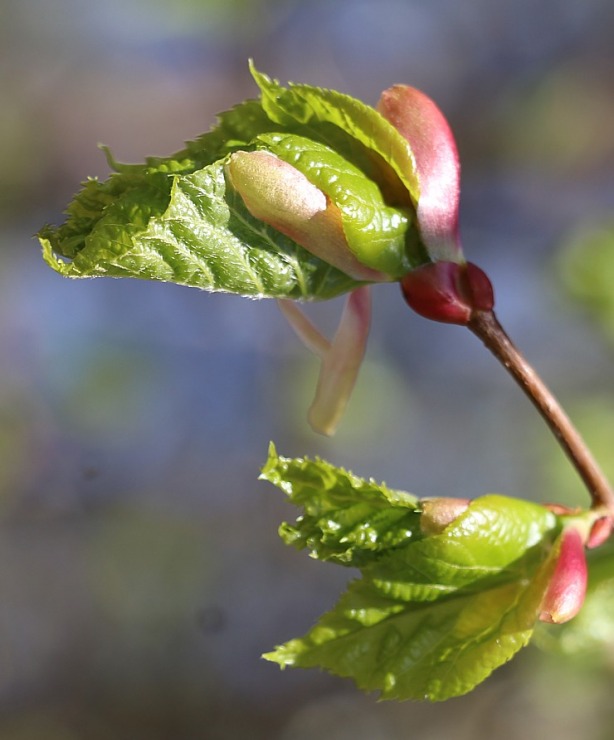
pixel 188 229
pixel 173 218
pixel 347 519
pixel 431 617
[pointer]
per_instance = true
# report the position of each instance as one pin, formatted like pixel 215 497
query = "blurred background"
pixel 141 575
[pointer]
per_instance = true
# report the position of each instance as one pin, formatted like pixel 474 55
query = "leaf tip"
pixel 281 655
pixel 260 78
pixel 49 255
pixel 111 161
pixel 270 465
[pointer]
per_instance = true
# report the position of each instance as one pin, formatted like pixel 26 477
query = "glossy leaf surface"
pixel 430 617
pixel 177 219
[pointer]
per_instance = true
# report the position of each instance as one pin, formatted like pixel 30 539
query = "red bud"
pixel 567 589
pixel 448 291
pixel 423 125
pixel 600 532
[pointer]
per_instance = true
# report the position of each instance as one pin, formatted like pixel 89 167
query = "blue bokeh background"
pixel 141 576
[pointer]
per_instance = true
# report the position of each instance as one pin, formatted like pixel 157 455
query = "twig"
pixel 486 327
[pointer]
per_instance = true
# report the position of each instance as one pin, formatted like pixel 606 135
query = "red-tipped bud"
pixel 448 291
pixel 567 589
pixel 438 513
pixel 423 125
pixel 600 532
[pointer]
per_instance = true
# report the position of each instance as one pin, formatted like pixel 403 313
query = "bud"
pixel 448 291
pixel 416 117
pixel 278 194
pixel 567 588
pixel 438 513
pixel 600 532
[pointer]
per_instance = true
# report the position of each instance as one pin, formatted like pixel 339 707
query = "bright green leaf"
pixel 174 218
pixel 347 519
pixel 187 229
pixel 313 109
pixel 379 235
pixel 431 617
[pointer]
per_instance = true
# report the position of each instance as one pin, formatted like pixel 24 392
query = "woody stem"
pixel 486 327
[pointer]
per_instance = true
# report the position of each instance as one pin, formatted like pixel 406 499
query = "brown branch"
pixel 485 326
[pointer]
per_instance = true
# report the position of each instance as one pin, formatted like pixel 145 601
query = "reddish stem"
pixel 485 326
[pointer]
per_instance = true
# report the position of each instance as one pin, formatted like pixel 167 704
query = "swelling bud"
pixel 438 513
pixel 450 292
pixel 416 117
pixel 567 588
pixel 600 532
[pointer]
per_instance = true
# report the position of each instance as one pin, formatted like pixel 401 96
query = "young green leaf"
pixel 379 235
pixel 347 519
pixel 431 616
pixel 311 111
pixel 188 229
pixel 177 219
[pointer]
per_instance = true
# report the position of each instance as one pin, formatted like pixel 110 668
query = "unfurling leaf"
pixel 432 614
pixel 281 196
pixel 304 194
pixel 201 217
pixel 188 229
pixel 346 519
